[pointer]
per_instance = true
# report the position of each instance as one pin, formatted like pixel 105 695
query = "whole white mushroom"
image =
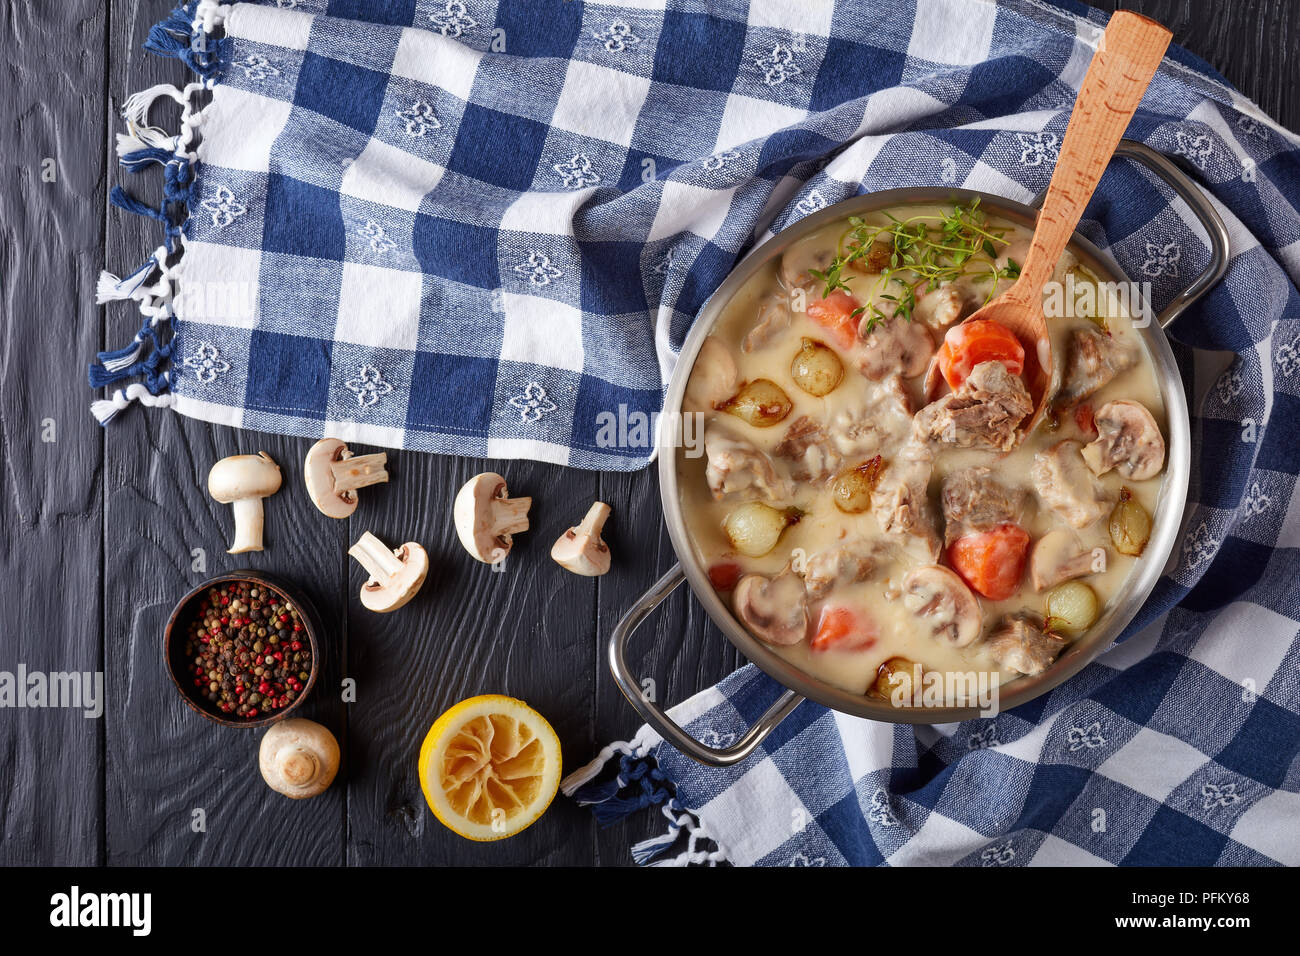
pixel 298 758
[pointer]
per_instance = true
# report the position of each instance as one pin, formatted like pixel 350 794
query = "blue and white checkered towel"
pixel 484 226
pixel 1179 744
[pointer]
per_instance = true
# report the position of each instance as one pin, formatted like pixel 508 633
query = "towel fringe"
pixel 185 34
pixel 105 409
pixel 639 783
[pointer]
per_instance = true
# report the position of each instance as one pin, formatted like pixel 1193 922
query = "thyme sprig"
pixel 925 252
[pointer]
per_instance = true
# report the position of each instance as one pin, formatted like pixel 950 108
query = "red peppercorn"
pixel 224 619
pixel 297 627
pixel 296 645
pixel 284 618
pixel 252 712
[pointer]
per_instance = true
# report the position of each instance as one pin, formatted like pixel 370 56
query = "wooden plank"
pixel 1255 44
pixel 164 761
pixel 51 202
pixel 526 631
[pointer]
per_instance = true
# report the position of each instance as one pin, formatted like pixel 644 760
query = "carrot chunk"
pixel 843 629
pixel 723 576
pixel 971 343
pixel 835 314
pixel 991 562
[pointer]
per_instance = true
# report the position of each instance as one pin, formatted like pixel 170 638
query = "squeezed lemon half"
pixel 489 767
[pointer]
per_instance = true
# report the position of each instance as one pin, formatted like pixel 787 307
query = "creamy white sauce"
pixel 901 634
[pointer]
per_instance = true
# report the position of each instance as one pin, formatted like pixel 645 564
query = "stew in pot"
pixel 867 501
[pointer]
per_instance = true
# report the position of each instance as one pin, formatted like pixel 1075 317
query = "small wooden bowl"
pixel 174 643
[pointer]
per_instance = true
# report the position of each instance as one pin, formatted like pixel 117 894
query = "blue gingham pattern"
pixel 485 228
pixel 1178 745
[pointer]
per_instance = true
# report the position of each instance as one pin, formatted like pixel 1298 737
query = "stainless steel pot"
pixel 801 686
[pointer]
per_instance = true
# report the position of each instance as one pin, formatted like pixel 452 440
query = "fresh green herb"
pixel 925 252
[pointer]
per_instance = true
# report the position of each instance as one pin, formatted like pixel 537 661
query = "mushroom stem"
pixel 376 557
pixel 359 472
pixel 594 520
pixel 510 515
pixel 297 765
pixel 248 525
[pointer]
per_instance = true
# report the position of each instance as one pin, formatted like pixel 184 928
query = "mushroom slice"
pixel 487 517
pixel 1128 440
pixel 298 758
pixel 333 475
pixel 581 549
pixel 944 602
pixel 1059 556
pixel 395 576
pixel 1020 645
pixel 714 378
pixel 243 481
pixel 775 610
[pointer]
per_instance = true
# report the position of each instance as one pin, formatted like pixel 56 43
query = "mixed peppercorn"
pixel 246 650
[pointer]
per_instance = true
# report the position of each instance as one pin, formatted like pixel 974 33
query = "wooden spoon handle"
pixel 1127 57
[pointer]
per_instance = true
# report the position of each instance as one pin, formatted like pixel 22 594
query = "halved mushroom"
pixel 298 758
pixel 1020 645
pixel 333 475
pixel 1128 440
pixel 775 610
pixel 714 378
pixel 581 549
pixel 243 481
pixel 1059 556
pixel 487 517
pixel 943 602
pixel 395 575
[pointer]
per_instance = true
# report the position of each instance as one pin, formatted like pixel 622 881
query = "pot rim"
pixel 1167 519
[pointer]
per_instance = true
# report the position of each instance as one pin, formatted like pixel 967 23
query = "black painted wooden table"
pixel 103 530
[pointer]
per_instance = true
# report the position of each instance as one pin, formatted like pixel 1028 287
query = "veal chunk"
pixel 1066 485
pixel 1094 357
pixel 735 465
pixel 1019 645
pixel 895 346
pixel 973 500
pixel 809 450
pixel 983 413
pixel 845 563
pixel 899 502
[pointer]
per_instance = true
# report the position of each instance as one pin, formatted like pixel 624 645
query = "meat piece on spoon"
pixel 1126 60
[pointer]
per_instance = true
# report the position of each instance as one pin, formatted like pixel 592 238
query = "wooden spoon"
pixel 1120 72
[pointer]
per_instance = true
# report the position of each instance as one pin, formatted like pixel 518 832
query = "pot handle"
pixel 657 718
pixel 1204 210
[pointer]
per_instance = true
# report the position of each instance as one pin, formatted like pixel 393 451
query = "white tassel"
pixel 136 113
pixel 106 408
pixel 570 784
pixel 127 143
pixel 109 288
pixel 211 14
